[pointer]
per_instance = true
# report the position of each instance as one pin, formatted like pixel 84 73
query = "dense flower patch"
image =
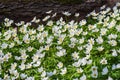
pixel 85 50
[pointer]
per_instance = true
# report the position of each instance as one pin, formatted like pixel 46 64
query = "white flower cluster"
pixel 85 50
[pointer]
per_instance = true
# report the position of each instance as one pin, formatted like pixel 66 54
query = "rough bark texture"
pixel 26 10
pixel 112 2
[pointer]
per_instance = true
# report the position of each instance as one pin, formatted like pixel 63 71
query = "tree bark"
pixel 27 9
pixel 112 2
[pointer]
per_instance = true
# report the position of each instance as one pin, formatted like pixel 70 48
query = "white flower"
pixel 13 78
pixel 75 55
pixel 15 73
pixel 88 48
pixel 103 61
pixel 50 23
pixel 63 71
pixel 40 69
pixel 31 31
pixel 6 19
pixel 100 48
pixel 45 34
pixel 95 30
pixel 41 55
pixel 13 66
pixel 79 70
pixel 28 24
pixel 83 77
pixel 103 7
pixel 59 47
pixel 113 67
pixel 118 28
pixel 35 57
pixel 30 49
pixel 37 64
pixel 0 34
pixel 11 45
pixel 73 40
pixel 8 23
pixel 109 78
pixel 43 74
pixel 61 38
pixel 49 40
pixel 87 56
pixel 118 4
pixel 4 45
pixel 93 13
pixel 77 64
pixel 103 31
pixel 66 13
pixel 46 18
pixel 30 78
pixel 54 14
pixel 6 77
pixel 118 50
pixel 35 20
pixel 23 29
pixel 20 23
pixel 77 14
pixel 91 41
pixel 94 68
pixel 83 61
pixel 104 71
pixel 17 58
pixel 72 45
pixel 118 66
pixel 72 32
pixel 61 53
pixel 60 65
pixel 112 24
pixel 48 12
pixel 114 53
pixel 89 62
pixel 81 41
pixel 22 51
pixel 78 31
pixel 80 48
pixel 99 40
pixel 112 42
pixel 26 39
pixel 75 79
pixel 24 56
pixel 22 66
pixel 5 58
pixel 54 72
pixel 28 66
pixel 23 76
pixel 49 74
pixel 90 27
pixel 8 37
pixel 94 74
pixel 45 78
pixel 40 28
pixel 47 47
pixel 82 22
pixel 112 36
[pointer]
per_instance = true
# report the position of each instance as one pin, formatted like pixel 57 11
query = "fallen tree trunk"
pixel 26 10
